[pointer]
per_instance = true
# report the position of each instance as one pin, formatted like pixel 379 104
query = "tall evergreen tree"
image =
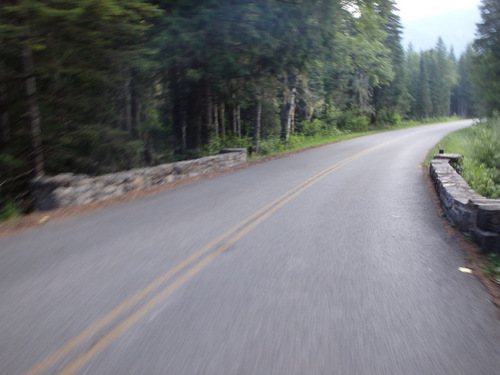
pixel 442 77
pixel 486 72
pixel 462 98
pixel 423 108
pixel 393 98
pixel 370 60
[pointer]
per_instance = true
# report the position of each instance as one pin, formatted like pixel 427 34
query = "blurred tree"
pixel 394 97
pixel 486 71
pixel 423 108
pixel 462 98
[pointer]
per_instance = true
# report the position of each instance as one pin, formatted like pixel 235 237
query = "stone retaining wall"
pixel 473 214
pixel 70 189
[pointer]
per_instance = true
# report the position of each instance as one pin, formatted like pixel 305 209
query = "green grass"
pixel 454 143
pixel 275 146
pixel 492 268
pixel 479 146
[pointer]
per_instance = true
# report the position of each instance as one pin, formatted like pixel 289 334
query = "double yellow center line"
pixel 203 257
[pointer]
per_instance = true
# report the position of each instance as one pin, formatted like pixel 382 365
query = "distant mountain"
pixel 456 28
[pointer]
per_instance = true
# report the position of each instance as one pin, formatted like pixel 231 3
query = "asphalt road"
pixel 330 261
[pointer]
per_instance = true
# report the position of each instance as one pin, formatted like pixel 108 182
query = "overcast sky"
pixel 426 20
pixel 415 9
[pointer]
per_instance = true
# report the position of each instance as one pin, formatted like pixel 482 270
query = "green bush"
pixel 481 163
pixel 317 127
pixel 353 120
pixel 481 178
pixel 387 118
pixel 271 146
pixel 492 268
pixel 14 186
pixel 218 143
pixel 331 116
pixel 8 209
pixel 484 144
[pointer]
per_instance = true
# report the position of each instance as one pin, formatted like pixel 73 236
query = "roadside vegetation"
pixel 479 146
pixel 492 267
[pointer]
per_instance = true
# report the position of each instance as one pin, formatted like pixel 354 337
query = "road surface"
pixel 329 261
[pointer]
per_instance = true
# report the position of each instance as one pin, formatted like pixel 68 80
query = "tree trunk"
pixel 287 126
pixel 199 128
pixel 184 131
pixel 216 120
pixel 222 112
pixel 198 119
pixel 209 110
pixel 4 121
pixel 136 109
pixel 34 112
pixel 238 120
pixel 292 110
pixel 127 125
pixel 258 118
pixel 4 115
pixel 233 106
pixel 137 118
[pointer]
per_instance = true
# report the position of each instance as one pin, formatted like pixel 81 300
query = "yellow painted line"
pixel 126 324
pixel 259 216
pixel 116 312
pixel 44 219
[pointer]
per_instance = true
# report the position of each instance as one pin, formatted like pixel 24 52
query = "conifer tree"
pixel 392 99
pixel 462 99
pixel 423 108
pixel 486 72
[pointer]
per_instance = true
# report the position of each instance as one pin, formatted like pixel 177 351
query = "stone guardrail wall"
pixel 70 189
pixel 475 215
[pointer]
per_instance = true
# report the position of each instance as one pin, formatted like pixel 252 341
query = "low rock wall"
pixel 70 189
pixel 473 214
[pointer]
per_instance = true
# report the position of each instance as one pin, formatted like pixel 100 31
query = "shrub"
pixel 8 209
pixel 353 120
pixel 218 143
pixel 317 127
pixel 271 145
pixel 387 118
pixel 481 164
pixel 481 178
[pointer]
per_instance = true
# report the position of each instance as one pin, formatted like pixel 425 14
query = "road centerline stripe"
pixel 244 227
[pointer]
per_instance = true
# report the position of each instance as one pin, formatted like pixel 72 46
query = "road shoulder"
pixel 474 259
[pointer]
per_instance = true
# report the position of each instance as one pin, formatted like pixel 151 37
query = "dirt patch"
pixel 474 259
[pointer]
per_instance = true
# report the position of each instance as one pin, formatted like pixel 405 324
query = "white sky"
pixel 415 9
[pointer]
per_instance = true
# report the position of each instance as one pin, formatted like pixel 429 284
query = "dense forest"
pixel 95 86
